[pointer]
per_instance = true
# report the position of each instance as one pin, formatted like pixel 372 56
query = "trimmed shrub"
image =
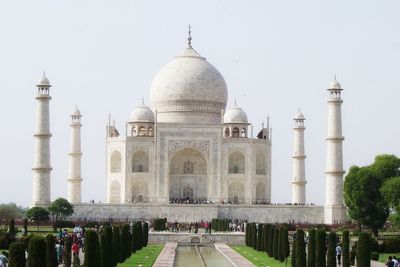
pixel 159 224
pixel 275 249
pixel 67 251
pixel 375 256
pixel 300 249
pixel 51 251
pixel 17 255
pixel 345 249
pixel 259 237
pixel 145 234
pixel 352 255
pixel 92 255
pixel 140 235
pixel 254 236
pixel 11 228
pixel 293 255
pixel 37 252
pixel 285 249
pixel 391 245
pixel 5 240
pixel 266 228
pixel 280 244
pixel 126 243
pixel 311 248
pixel 320 248
pixel 116 245
pixel 109 241
pixel 331 251
pixel 103 248
pixel 247 233
pixel 25 226
pixel 271 241
pixel 363 250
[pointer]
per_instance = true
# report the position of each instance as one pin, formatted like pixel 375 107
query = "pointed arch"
pixel 235 132
pixel 236 193
pixel 115 192
pixel 140 192
pixel 260 192
pixel 261 166
pixel 115 161
pixel 140 161
pixel 236 162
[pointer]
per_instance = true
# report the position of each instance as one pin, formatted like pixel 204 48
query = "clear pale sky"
pixel 276 57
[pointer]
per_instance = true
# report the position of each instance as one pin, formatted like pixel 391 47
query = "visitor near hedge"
pixel 339 254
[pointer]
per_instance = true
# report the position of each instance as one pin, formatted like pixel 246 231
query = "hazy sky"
pixel 275 56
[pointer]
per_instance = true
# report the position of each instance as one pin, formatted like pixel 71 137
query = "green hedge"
pixel 266 228
pixel 346 249
pixel 285 249
pixel 92 255
pixel 271 241
pixel 126 243
pixel 109 241
pixel 37 252
pixel 364 250
pixel 331 251
pixel 311 248
pixel 259 237
pixel 115 244
pixel 159 224
pixel 275 248
pixel 17 255
pixel 67 251
pixel 320 248
pixel 50 251
pixel 145 234
pixel 300 249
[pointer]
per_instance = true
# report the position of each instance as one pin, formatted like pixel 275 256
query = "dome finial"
pixel 142 100
pixel 334 77
pixel 235 102
pixel 190 37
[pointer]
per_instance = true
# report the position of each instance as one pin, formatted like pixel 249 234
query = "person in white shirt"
pixel 395 262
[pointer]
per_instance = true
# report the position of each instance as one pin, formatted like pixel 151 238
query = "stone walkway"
pixel 167 256
pixel 235 258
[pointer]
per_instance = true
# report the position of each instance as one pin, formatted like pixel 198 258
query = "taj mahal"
pixel 188 156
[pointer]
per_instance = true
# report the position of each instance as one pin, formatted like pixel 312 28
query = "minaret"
pixel 299 173
pixel 335 210
pixel 41 160
pixel 75 154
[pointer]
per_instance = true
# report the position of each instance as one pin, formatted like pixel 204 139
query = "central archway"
pixel 188 175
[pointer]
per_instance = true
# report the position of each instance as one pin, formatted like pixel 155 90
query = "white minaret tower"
pixel 41 160
pixel 75 154
pixel 299 172
pixel 335 210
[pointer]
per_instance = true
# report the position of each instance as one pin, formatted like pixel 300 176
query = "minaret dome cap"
pixel 299 116
pixel 335 85
pixel 44 81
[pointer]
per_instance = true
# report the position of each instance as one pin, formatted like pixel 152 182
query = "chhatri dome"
pixel 142 113
pixel 235 115
pixel 189 90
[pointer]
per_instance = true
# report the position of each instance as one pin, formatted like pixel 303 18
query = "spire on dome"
pixel 190 37
pixel 142 100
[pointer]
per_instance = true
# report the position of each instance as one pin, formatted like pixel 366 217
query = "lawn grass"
pixel 384 256
pixel 144 257
pixel 259 258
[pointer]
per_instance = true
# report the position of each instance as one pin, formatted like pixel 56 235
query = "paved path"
pixel 235 258
pixel 167 256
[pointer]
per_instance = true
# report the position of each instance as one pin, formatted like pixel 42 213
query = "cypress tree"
pixel 103 247
pixel 275 248
pixel 67 251
pixel 300 249
pixel 145 234
pixel 364 250
pixel 25 227
pixel 346 249
pixel 254 236
pixel 17 255
pixel 37 252
pixel 311 248
pixel 126 243
pixel 293 255
pixel 262 245
pixel 109 242
pixel 92 255
pixel 285 249
pixel 266 228
pixel 271 241
pixel 247 234
pixel 51 258
pixel 116 245
pixel 140 234
pixel 320 248
pixel 259 236
pixel 331 253
pixel 11 228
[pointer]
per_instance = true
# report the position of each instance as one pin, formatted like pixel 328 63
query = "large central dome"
pixel 189 90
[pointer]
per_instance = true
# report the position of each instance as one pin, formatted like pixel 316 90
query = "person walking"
pixel 75 249
pixel 339 254
pixel 395 262
pixel 389 262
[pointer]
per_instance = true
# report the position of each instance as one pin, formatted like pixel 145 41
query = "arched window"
pixel 188 167
pixel 227 132
pixel 134 131
pixel 142 131
pixel 139 192
pixel 260 163
pixel 150 131
pixel 236 163
pixel 235 132
pixel 115 162
pixel 187 192
pixel 260 192
pixel 244 132
pixel 140 162
pixel 115 192
pixel 236 193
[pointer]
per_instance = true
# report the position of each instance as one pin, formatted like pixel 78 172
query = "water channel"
pixel 200 256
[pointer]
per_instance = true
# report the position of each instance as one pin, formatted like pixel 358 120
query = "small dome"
pixel 235 115
pixel 44 81
pixel 76 112
pixel 142 114
pixel 299 116
pixel 335 85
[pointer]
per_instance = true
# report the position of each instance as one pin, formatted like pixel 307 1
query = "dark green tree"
pixel 17 255
pixel 11 228
pixel 51 258
pixel 285 249
pixel 293 254
pixel 262 247
pixel 320 248
pixel 311 248
pixel 140 234
pixel 67 251
pixel 37 214
pixel 92 255
pixel 266 233
pixel 301 260
pixel 247 234
pixel 126 243
pixel 271 241
pixel 362 191
pixel 11 211
pixel 103 249
pixel 346 249
pixel 275 248
pixel 116 244
pixel 259 237
pixel 331 251
pixel 109 239
pixel 25 227
pixel 60 209
pixel 364 250
pixel 390 191
pixel 145 234
pixel 37 252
